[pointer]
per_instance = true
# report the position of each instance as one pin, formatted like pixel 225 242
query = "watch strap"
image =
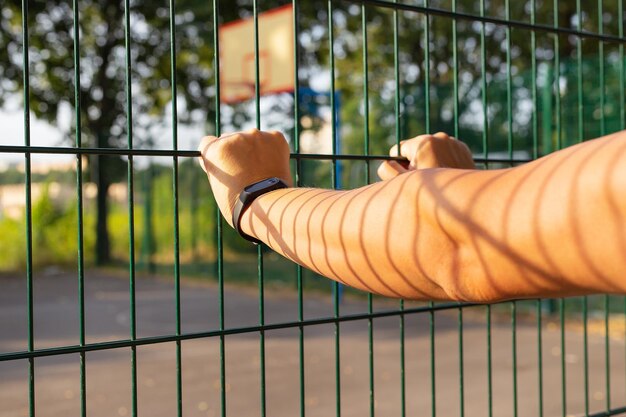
pixel 247 197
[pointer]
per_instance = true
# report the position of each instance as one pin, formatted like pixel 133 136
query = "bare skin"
pixel 440 229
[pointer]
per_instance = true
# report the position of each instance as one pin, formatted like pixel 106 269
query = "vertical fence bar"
pixel 28 210
pixel 509 100
pixel 607 352
pixel 579 72
pixel 218 216
pixel 622 64
pixel 79 210
pixel 397 97
pixel 562 301
pixel 581 137
pixel 514 353
pixel 131 209
pixel 179 368
pixel 261 279
pixel 489 365
pixel 483 77
pixel 433 386
pixel 622 81
pixel 455 82
pixel 557 76
pixel 455 79
pixel 535 152
pixel 296 139
pixel 396 72
pixel 509 107
pixel 366 149
pixel 539 357
pixel 586 353
pixel 533 75
pixel 426 69
pixel 461 363
pixel 563 367
pixel 431 313
pixel 335 181
pixel 485 142
pixel 601 68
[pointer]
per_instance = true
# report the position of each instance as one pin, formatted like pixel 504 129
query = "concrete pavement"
pixel 109 375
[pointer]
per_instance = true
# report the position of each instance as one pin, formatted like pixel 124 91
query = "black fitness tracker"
pixel 248 195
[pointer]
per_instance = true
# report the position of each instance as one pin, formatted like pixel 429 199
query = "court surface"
pixel 108 372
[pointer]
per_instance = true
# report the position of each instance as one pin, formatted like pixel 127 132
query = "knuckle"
pixel 276 134
pixel 381 171
pixel 232 140
pixel 464 147
pixel 426 143
pixel 237 136
pixel 284 144
pixel 205 142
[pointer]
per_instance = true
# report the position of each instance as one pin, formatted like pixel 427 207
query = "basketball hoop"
pixel 275 56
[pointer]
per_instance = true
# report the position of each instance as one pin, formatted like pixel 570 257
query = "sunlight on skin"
pixel 440 229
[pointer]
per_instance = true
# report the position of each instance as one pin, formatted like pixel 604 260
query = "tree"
pixel 103 67
pixel 103 74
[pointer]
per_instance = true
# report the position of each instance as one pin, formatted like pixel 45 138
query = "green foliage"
pixel 54 233
pixel 12 244
pixel 104 107
pixel 55 224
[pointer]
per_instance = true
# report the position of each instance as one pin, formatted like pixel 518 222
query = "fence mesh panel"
pixel 509 116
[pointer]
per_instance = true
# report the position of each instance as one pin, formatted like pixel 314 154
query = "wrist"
pixel 246 219
pixel 253 217
pixel 249 194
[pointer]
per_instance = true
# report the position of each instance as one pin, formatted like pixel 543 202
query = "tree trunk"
pixel 103 249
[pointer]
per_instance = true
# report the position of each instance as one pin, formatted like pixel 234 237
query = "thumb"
pixel 390 169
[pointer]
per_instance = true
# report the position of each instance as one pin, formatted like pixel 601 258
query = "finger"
pixel 469 159
pixel 227 135
pixel 393 151
pixel 276 134
pixel 442 135
pixel 390 169
pixel 409 148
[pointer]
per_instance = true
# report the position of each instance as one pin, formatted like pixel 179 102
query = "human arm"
pixel 555 226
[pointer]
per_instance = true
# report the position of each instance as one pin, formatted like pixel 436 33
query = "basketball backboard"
pixel 276 56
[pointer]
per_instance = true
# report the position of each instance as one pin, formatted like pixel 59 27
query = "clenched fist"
pixel 237 160
pixel 428 151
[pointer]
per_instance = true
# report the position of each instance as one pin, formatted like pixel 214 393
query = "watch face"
pixel 261 185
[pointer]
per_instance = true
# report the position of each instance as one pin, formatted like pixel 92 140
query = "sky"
pixel 44 134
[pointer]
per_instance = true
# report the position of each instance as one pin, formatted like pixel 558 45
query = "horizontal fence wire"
pixel 613 412
pixel 427 13
pixel 60 150
pixel 481 18
pixel 115 344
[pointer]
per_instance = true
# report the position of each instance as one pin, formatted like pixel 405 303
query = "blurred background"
pixel 104 117
pixel 510 97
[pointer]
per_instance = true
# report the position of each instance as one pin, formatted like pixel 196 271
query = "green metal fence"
pixel 545 131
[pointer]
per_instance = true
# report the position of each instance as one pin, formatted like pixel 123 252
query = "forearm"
pixel 365 238
pixel 555 226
